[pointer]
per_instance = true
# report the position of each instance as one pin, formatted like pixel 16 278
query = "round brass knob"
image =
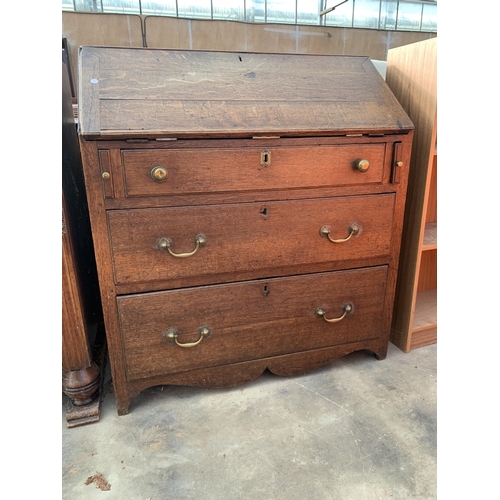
pixel 105 175
pixel 159 174
pixel 363 165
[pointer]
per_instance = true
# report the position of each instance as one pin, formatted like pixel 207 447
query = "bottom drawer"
pixel 250 320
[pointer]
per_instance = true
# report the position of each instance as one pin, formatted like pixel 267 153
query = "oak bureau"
pixel 246 210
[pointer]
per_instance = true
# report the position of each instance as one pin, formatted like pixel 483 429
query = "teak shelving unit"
pixel 411 75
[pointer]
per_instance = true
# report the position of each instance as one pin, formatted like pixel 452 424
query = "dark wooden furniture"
pixel 412 76
pixel 246 210
pixel 83 343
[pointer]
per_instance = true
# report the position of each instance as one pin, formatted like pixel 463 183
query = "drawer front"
pixel 249 320
pixel 246 237
pixel 225 170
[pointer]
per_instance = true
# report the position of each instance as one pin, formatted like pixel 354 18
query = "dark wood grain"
pixel 77 352
pixel 224 118
pixel 228 376
pixel 244 237
pixel 206 117
pixel 233 277
pixel 95 197
pixel 263 84
pixel 88 90
pixel 221 170
pixel 314 172
pixel 81 308
pixel 107 184
pixel 188 93
pixel 260 140
pixel 231 197
pixel 249 320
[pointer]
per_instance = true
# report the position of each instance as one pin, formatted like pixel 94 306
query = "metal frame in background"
pixel 97 6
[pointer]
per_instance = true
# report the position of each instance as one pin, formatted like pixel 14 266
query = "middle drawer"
pixel 185 242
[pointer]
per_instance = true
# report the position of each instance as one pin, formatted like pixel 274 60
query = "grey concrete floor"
pixel 356 429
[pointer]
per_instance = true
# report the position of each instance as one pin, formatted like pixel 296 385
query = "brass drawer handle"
pixel 320 313
pixel 171 335
pixel 159 174
pixel 165 243
pixel 353 229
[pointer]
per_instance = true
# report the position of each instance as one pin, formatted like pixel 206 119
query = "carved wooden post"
pixel 82 336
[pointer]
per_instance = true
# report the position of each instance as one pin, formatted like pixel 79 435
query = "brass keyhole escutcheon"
pixel 363 165
pixel 265 158
pixel 159 174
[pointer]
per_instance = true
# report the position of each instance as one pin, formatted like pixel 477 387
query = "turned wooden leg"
pixel 81 386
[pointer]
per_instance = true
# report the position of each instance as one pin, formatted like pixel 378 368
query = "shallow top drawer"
pixel 190 171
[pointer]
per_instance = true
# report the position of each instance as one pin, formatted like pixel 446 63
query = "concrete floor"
pixel 357 429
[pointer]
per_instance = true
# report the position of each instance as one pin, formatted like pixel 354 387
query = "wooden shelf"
pixel 425 310
pixel 424 330
pixel 430 236
pixel 411 75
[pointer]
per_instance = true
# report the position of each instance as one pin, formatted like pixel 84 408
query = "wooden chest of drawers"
pixel 246 211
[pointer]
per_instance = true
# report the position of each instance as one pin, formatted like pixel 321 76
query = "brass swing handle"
pixel 325 233
pixel 171 335
pixel 164 245
pixel 320 313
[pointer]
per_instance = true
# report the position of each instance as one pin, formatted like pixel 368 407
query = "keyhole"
pixel 263 211
pixel 265 291
pixel 265 158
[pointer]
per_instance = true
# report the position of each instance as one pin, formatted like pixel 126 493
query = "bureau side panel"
pixel 403 154
pixel 102 249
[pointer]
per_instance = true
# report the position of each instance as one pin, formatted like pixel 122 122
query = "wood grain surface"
pixel 249 320
pixel 412 76
pixel 222 170
pixel 246 237
pixel 194 93
pixel 207 118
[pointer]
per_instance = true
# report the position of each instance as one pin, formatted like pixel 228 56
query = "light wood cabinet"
pixel 411 75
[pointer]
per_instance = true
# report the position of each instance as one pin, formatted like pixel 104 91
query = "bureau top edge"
pixel 140 136
pixel 199 94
